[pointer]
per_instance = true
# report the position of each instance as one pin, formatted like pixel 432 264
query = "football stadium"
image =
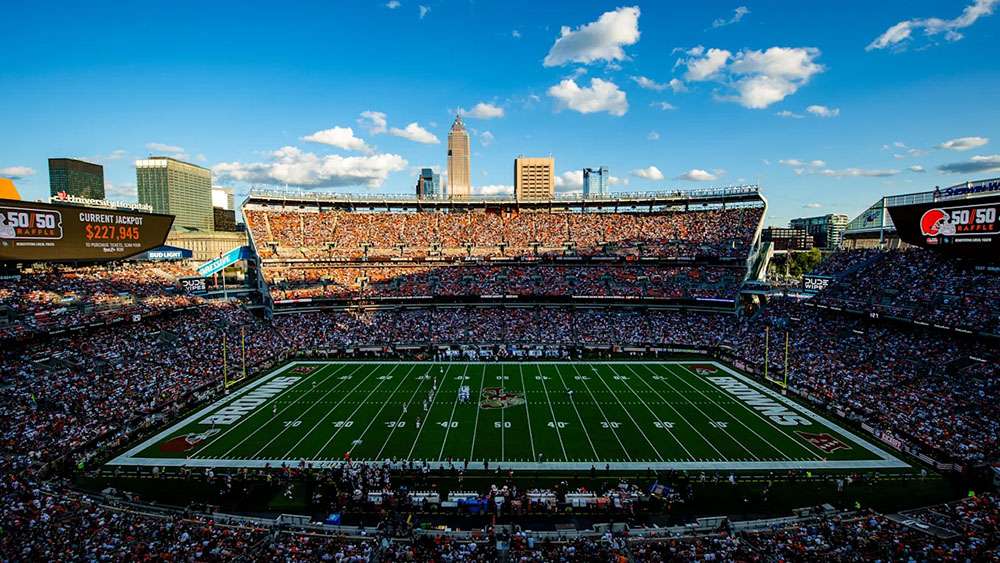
pixel 294 305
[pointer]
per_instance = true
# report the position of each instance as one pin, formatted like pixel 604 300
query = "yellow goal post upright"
pixel 783 382
pixel 225 358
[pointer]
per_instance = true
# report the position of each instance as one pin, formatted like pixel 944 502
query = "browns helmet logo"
pixel 497 398
pixel 935 222
pixel 180 444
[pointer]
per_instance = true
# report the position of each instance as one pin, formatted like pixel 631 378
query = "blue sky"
pixel 902 94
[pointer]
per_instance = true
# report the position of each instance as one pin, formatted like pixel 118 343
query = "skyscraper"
pixel 177 188
pixel 595 182
pixel 428 183
pixel 76 177
pixel 459 178
pixel 534 178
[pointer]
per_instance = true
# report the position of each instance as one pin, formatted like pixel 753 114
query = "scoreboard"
pixel 31 231
pixel 961 226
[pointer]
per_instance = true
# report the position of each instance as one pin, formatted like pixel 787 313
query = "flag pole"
pixel 225 367
pixel 786 359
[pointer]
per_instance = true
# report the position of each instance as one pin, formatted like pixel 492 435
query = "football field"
pixel 544 415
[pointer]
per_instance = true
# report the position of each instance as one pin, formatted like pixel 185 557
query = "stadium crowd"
pixel 663 282
pixel 314 233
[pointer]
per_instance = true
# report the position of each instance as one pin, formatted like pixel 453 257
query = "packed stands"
pixel 313 233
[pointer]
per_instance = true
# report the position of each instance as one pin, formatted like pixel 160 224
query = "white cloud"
pixel 698 175
pixel 601 40
pixel 374 121
pixel 974 165
pixel 653 136
pixel 766 77
pixel 705 65
pixel 392 4
pixel 677 85
pixel 789 114
pixel 482 110
pixel 616 181
pixel 120 191
pixel 649 173
pixel 858 172
pixel 899 34
pixel 665 106
pixel 569 181
pixel 823 111
pixel 424 10
pixel 340 137
pixel 168 150
pixel 17 172
pixel 291 166
pixel 917 168
pixel 796 163
pixel 602 95
pixel 515 34
pixel 486 138
pixel 738 14
pixel 963 143
pixel 812 205
pixel 650 84
pixel 414 132
pixel 494 189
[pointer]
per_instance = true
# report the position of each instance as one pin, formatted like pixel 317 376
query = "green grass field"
pixel 571 415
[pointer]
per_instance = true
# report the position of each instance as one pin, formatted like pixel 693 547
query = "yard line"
pixel 762 417
pixel 274 400
pixel 534 456
pixel 555 423
pixel 627 413
pixel 695 405
pixel 606 419
pixel 677 412
pixel 427 420
pixel 362 403
pixel 479 407
pixel 580 418
pixel 655 415
pixel 384 403
pixel 415 391
pixel 455 404
pixel 282 431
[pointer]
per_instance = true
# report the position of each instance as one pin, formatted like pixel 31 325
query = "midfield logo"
pixel 187 442
pixel 704 369
pixel 824 442
pixel 303 369
pixel 497 398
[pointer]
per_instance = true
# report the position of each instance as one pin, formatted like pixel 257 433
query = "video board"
pixel 32 231
pixel 962 226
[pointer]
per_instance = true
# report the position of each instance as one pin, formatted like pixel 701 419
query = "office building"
pixel 785 238
pixel 595 182
pixel 223 220
pixel 459 177
pixel 428 183
pixel 827 230
pixel 223 198
pixel 534 178
pixel 76 178
pixel 177 188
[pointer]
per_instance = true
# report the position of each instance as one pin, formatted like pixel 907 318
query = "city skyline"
pixel 826 111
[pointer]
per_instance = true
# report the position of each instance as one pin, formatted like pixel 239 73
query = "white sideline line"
pixel 885 461
pixel 555 423
pixel 580 418
pixel 604 416
pixel 626 411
